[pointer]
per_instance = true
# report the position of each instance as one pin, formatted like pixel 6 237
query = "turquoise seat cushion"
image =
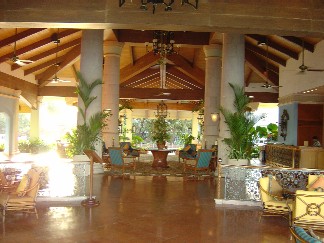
pixel 305 236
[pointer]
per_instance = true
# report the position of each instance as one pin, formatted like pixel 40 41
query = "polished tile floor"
pixel 146 209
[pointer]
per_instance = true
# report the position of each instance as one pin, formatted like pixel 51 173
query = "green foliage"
pixel 2 147
pixel 270 132
pixel 186 138
pixel 136 140
pixel 160 130
pixel 241 126
pixel 34 146
pixel 86 135
pixel 123 137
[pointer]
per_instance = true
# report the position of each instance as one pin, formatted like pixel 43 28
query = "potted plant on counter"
pixel 160 132
pixel 240 123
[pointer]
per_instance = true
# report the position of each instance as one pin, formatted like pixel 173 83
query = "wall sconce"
pixel 214 116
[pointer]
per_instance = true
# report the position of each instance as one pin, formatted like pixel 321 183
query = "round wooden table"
pixel 160 158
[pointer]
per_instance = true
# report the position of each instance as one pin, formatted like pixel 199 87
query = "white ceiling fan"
pixel 15 58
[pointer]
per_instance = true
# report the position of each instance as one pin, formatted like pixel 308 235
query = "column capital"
pixel 213 50
pixel 113 48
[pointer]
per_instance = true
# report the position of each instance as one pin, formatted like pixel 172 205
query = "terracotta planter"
pixel 160 145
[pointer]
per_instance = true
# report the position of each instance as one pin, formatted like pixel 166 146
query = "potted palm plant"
pixel 160 132
pixel 86 135
pixel 240 124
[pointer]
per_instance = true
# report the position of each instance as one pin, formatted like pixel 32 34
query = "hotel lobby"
pixel 273 50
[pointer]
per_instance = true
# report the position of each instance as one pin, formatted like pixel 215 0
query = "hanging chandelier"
pixel 163 42
pixel 161 110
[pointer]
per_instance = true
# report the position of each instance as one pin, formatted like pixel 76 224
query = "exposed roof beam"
pixel 184 66
pixel 192 82
pixel 19 36
pixel 253 62
pixel 276 46
pixel 149 93
pixel 49 72
pixel 43 65
pixel 171 106
pixel 50 52
pixel 299 42
pixel 264 97
pixel 60 91
pixel 29 90
pixel 265 54
pixel 145 75
pixel 35 45
pixel 140 65
pixel 180 37
pixel 248 77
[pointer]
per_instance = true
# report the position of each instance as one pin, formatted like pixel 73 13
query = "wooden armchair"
pixel 129 150
pixel 201 163
pixel 24 198
pixel 119 161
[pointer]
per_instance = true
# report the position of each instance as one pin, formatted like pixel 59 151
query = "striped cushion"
pixel 303 235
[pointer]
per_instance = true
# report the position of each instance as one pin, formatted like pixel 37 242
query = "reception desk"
pixel 280 155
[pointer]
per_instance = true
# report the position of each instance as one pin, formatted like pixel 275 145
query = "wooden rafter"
pixel 300 42
pixel 19 36
pixel 276 46
pixel 36 45
pixel 184 66
pixel 44 54
pixel 28 90
pixel 49 72
pixel 140 65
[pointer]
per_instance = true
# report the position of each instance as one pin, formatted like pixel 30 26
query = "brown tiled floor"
pixel 147 209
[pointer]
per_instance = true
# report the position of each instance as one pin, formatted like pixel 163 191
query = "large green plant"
pixel 241 126
pixel 160 131
pixel 86 135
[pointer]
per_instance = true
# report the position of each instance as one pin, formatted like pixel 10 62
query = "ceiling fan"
pixel 268 86
pixel 55 79
pixel 15 58
pixel 303 67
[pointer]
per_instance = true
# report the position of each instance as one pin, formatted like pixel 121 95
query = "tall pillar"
pixel 194 126
pixel 129 124
pixel 91 69
pixel 34 124
pixel 110 91
pixel 213 59
pixel 233 72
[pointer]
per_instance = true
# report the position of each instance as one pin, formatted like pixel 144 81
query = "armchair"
pixel 188 152
pixel 24 198
pixel 201 163
pixel 118 160
pixel 273 204
pixel 308 210
pixel 128 150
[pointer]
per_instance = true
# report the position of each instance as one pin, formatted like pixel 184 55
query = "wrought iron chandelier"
pixel 168 4
pixel 163 42
pixel 161 110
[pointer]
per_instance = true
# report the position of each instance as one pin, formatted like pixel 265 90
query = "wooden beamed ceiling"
pixel 140 72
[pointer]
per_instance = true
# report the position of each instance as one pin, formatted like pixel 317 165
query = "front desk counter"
pixel 280 155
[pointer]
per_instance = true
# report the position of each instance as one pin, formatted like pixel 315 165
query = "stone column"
pixel 129 124
pixel 194 126
pixel 91 69
pixel 34 124
pixel 110 91
pixel 213 59
pixel 233 72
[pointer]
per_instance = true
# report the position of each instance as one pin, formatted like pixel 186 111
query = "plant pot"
pixel 238 162
pixel 160 145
